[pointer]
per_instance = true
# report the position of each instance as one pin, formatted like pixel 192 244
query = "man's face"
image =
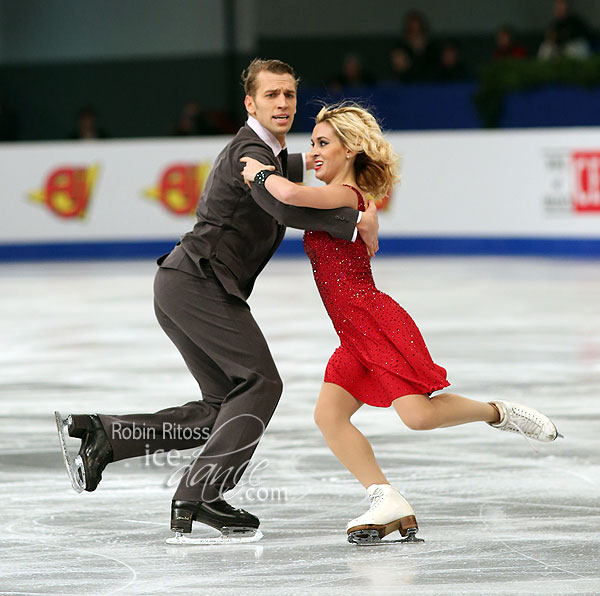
pixel 274 103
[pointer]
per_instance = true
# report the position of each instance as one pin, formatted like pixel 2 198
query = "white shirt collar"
pixel 265 135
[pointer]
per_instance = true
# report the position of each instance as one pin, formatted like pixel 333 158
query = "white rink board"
pixel 482 183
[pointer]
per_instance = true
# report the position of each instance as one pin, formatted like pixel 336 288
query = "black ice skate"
pixel 95 453
pixel 235 525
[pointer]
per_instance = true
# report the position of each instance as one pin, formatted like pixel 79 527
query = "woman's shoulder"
pixel 359 196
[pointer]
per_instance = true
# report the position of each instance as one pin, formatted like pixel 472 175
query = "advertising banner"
pixel 540 185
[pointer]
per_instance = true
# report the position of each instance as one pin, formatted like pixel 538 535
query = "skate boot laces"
pixel 376 498
pixel 527 422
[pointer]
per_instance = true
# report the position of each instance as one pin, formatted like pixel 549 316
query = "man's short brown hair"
pixel 257 66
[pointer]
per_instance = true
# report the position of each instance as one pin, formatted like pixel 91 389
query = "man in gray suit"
pixel 200 290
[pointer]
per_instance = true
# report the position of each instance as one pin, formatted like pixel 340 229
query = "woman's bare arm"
pixel 322 197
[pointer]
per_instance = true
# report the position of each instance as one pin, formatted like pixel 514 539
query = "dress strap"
pixel 361 201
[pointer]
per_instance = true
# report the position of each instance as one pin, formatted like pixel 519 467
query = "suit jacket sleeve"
pixel 295 167
pixel 340 222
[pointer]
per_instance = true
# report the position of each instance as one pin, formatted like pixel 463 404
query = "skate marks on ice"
pixel 497 518
pixel 56 569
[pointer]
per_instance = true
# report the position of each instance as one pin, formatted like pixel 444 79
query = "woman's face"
pixel 328 152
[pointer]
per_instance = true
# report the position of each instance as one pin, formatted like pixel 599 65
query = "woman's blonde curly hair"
pixel 376 163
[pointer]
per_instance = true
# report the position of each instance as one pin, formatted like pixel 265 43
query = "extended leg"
pixel 420 412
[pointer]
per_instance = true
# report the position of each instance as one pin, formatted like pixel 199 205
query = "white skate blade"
pixel 227 537
pixel 74 465
pixel 371 538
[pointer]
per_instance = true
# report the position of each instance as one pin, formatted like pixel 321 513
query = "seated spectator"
pixel 193 121
pixel 415 57
pixel 87 125
pixel 506 45
pixel 401 65
pixel 353 75
pixel 452 66
pixel 568 36
pixel 9 122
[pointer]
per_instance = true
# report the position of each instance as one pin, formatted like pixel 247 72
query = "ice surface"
pixel 498 517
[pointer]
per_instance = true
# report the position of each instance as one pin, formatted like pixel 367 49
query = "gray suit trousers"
pixel 228 356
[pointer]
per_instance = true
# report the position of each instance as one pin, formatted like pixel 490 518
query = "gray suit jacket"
pixel 238 230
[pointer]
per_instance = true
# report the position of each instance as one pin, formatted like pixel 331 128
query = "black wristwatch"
pixel 261 176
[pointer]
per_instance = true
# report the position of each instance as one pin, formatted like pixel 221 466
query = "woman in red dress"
pixel 382 359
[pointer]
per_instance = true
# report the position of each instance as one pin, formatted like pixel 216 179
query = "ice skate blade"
pixel 74 465
pixel 228 536
pixel 371 538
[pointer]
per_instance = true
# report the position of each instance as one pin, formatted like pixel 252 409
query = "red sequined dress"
pixel 382 354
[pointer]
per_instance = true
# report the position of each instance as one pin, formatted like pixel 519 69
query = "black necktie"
pixel 283 155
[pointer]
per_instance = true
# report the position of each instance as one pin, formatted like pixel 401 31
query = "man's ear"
pixel 249 103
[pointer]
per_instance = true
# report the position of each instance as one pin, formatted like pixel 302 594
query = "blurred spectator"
pixel 401 64
pixel 568 35
pixel 451 66
pixel 9 122
pixel 87 125
pixel 416 57
pixel 194 121
pixel 506 45
pixel 353 74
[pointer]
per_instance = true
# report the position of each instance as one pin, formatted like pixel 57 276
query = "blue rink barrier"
pixel 389 246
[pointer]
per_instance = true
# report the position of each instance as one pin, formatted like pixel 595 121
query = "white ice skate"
pixel 389 512
pixel 530 423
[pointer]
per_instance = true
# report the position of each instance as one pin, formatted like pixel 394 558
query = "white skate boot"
pixel 530 423
pixel 389 511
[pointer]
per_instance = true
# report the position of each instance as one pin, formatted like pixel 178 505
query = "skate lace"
pixel 529 441
pixel 525 424
pixel 376 499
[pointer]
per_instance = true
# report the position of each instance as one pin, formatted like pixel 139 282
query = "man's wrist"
pixel 261 177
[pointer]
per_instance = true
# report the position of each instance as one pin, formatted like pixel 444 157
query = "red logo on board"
pixel 180 186
pixel 585 167
pixel 67 191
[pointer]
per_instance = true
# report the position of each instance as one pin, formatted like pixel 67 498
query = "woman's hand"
pixel 252 168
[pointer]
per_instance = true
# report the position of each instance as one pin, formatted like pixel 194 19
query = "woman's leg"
pixel 420 412
pixel 333 411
